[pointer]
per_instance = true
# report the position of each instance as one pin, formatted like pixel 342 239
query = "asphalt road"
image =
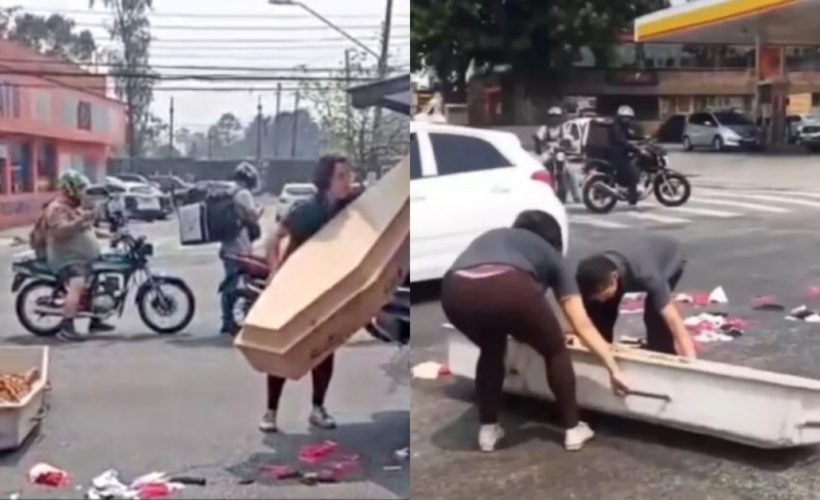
pixel 757 252
pixel 189 404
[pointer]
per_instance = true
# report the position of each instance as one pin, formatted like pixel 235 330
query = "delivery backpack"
pixel 210 215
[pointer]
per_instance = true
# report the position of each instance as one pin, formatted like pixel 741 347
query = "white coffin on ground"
pixel 754 407
pixel 334 283
pixel 17 420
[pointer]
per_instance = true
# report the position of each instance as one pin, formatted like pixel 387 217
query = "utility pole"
pixel 348 107
pixel 259 133
pixel 275 118
pixel 171 131
pixel 210 144
pixel 295 126
pixel 377 118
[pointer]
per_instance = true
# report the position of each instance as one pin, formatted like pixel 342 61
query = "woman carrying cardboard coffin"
pixel 496 287
pixel 334 181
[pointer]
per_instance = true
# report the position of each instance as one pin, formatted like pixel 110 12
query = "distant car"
pixel 170 183
pixel 97 195
pixel 291 194
pixel 809 136
pixel 721 130
pixel 145 202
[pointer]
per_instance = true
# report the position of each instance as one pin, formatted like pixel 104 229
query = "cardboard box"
pixel 18 420
pixel 334 284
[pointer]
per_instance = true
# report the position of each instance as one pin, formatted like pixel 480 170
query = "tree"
pixel 53 35
pixel 355 133
pixel 540 40
pixel 226 135
pixel 131 28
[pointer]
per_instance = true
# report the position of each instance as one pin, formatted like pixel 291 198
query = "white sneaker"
pixel 268 423
pixel 321 418
pixel 575 438
pixel 489 436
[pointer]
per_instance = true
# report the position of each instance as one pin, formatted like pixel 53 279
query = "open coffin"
pixel 19 419
pixel 333 284
pixel 754 407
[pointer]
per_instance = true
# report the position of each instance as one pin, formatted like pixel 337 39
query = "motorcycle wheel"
pixel 149 302
pixel 241 307
pixel 596 197
pixel 672 189
pixel 26 294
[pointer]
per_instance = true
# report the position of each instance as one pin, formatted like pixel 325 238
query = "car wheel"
pixel 718 143
pixel 687 143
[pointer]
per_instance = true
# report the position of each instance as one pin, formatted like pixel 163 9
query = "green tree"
pixel 226 134
pixel 540 40
pixel 53 35
pixel 131 28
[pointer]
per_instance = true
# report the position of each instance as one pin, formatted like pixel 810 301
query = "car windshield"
pixel 732 119
pixel 300 190
pixel 142 190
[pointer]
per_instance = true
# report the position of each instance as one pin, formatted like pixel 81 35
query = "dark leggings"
pixel 486 310
pixel 321 380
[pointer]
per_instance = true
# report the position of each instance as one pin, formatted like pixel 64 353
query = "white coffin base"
pixel 754 407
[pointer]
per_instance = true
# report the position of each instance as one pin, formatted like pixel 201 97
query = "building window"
pixel 9 100
pixel 84 115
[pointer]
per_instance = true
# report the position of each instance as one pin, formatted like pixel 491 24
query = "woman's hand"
pixel 619 384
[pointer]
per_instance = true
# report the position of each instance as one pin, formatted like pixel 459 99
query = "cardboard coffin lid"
pixel 341 262
pixel 309 349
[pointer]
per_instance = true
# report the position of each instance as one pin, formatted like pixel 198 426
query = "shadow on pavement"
pixel 525 421
pixel 374 442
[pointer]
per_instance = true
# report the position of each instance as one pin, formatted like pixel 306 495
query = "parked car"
pixel 170 183
pixel 721 130
pixel 145 202
pixel 809 136
pixel 465 181
pixel 136 178
pixel 293 193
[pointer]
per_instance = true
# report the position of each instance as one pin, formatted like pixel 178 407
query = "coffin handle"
pixel 651 395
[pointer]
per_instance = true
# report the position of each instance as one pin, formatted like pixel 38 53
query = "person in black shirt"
pixel 496 287
pixel 334 181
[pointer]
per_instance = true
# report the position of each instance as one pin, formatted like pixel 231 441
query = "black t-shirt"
pixel 308 218
pixel 522 250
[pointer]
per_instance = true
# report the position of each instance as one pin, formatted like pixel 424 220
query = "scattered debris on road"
pixel 48 475
pixel 155 485
pixel 803 313
pixel 715 327
pixel 718 296
pixel 448 326
pixel 430 370
pixel 813 292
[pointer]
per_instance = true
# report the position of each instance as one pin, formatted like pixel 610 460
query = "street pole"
pixel 171 131
pixel 377 118
pixel 259 133
pixel 210 144
pixel 295 126
pixel 275 118
pixel 349 106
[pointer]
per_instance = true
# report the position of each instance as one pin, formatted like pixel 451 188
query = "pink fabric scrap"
pixel 315 453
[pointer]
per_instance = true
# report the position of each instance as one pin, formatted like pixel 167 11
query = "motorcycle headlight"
pixel 561 156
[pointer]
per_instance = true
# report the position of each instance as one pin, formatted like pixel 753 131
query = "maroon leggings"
pixel 486 310
pixel 321 381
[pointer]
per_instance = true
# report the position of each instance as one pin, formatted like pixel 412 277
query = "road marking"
pixel 705 211
pixel 776 199
pixel 586 220
pixel 657 218
pixel 741 204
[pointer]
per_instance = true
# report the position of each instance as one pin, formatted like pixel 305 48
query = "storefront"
pixel 49 124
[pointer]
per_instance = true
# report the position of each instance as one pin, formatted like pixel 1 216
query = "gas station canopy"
pixel 734 22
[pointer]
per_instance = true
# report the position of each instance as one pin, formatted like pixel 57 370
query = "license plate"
pixel 148 204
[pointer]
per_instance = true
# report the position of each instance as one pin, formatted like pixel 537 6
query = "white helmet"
pixel 555 111
pixel 626 112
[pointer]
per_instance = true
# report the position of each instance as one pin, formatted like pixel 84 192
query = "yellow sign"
pixel 799 104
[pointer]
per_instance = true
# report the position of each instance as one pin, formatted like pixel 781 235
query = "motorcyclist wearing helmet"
pixel 247 180
pixel 548 139
pixel 630 128
pixel 621 148
pixel 71 248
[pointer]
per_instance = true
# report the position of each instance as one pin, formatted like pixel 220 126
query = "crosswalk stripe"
pixel 807 194
pixel 586 220
pixel 776 199
pixel 741 204
pixel 657 218
pixel 705 211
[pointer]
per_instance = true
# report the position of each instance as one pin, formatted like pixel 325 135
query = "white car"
pixel 291 194
pixel 145 202
pixel 465 181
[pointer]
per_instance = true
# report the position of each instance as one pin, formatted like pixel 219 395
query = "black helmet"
pixel 246 175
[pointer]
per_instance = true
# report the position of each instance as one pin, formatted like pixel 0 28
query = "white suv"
pixel 291 194
pixel 465 181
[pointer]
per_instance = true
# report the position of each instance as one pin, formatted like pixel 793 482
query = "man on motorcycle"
pixel 549 138
pixel 247 179
pixel 71 249
pixel 613 146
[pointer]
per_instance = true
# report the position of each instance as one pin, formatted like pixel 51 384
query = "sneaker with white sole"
pixel 320 418
pixel 488 437
pixel 576 437
pixel 268 423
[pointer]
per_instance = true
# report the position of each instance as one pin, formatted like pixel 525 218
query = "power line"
pixel 181 89
pixel 294 68
pixel 208 15
pixel 166 77
pixel 269 29
pixel 336 39
pixel 222 48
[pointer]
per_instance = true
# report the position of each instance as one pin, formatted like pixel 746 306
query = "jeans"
pixel 228 291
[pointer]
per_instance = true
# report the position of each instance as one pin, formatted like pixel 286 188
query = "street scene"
pixel 174 181
pixel 675 143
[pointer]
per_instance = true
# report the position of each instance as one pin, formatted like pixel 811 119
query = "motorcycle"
pixel 601 190
pixel 554 160
pixel 391 324
pixel 159 298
